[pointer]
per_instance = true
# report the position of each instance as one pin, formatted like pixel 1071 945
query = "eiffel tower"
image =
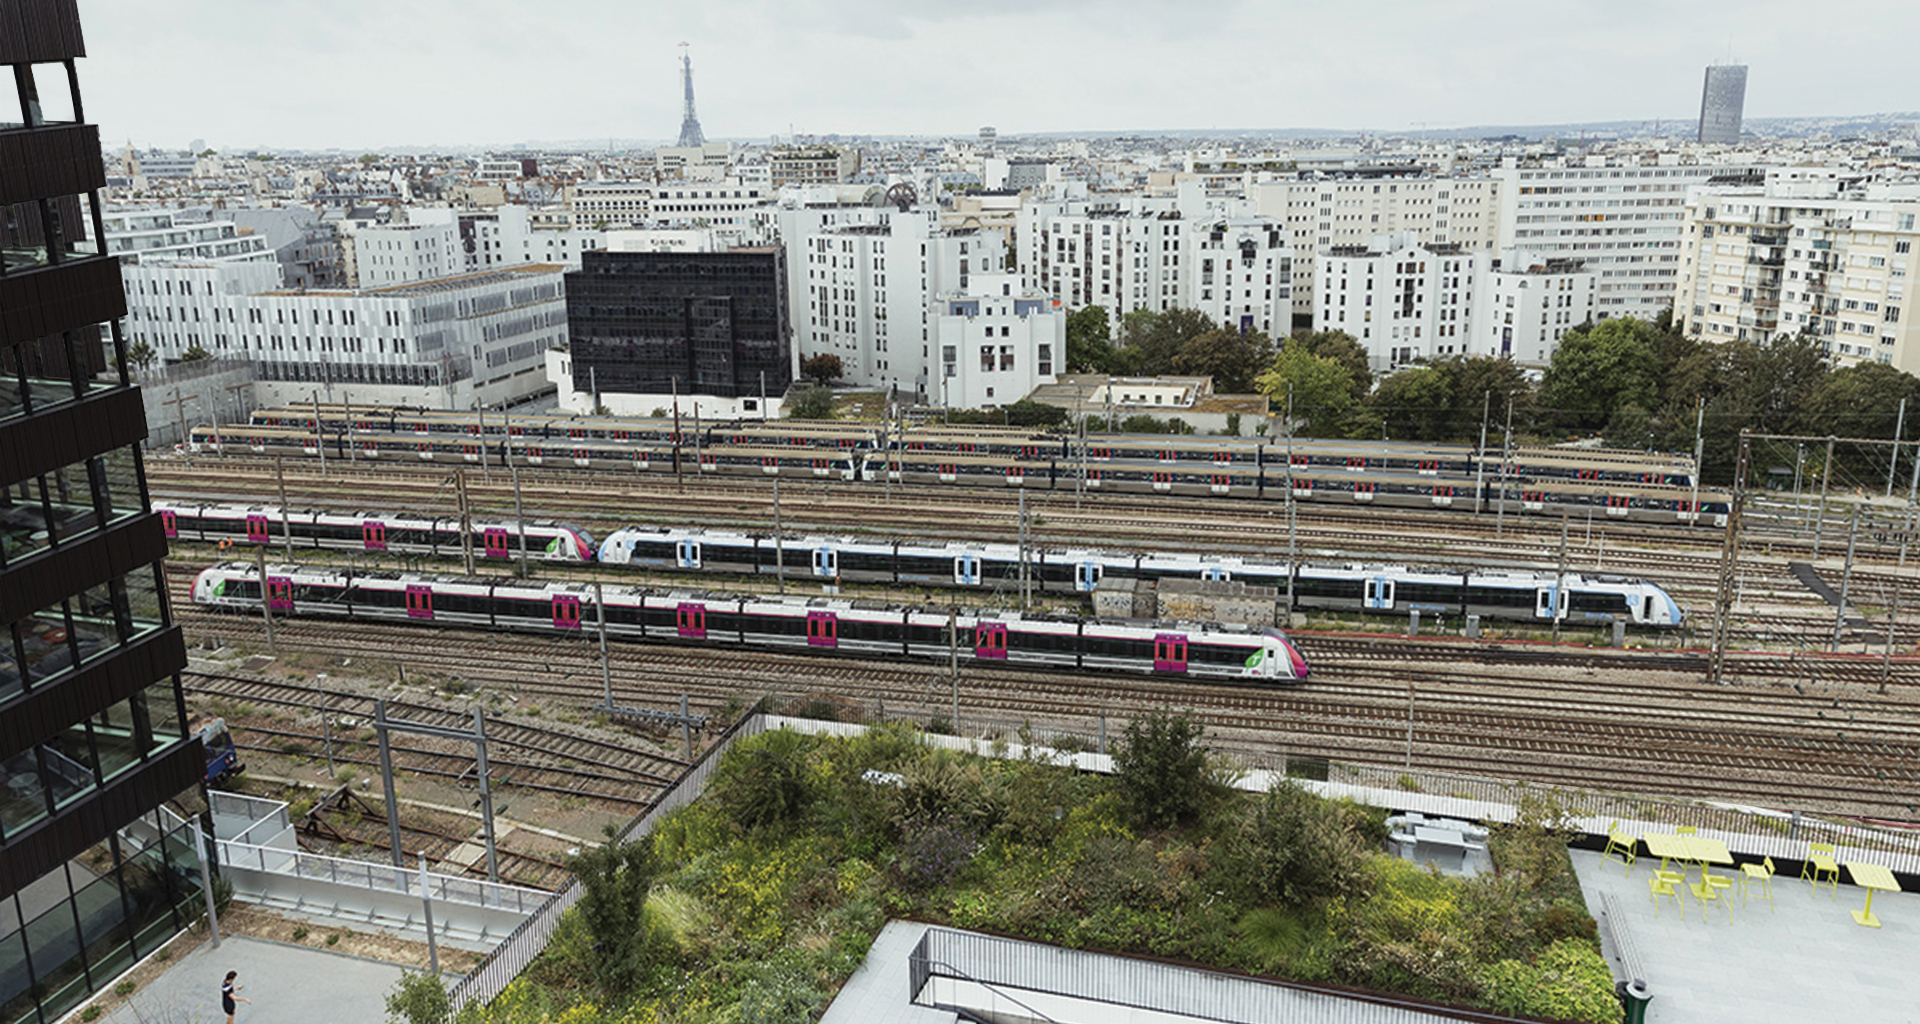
pixel 690 133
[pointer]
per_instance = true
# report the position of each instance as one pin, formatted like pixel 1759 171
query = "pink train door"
pixel 990 640
pixel 419 602
pixel 373 534
pixel 566 611
pixel 256 528
pixel 279 593
pixel 1170 652
pixel 691 620
pixel 823 629
pixel 168 524
pixel 494 540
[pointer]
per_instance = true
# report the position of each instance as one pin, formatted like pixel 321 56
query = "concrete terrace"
pixel 1805 960
pixel 288 985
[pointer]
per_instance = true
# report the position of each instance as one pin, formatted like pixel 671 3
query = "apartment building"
pixel 140 234
pixel 998 339
pixel 1622 216
pixel 93 728
pixel 1826 256
pixel 812 165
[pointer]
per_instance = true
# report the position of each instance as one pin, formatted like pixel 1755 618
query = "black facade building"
pixel 705 323
pixel 93 735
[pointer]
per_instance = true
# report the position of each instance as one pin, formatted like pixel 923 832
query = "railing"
pixel 996 963
pixel 269 817
pixel 360 874
pixel 527 941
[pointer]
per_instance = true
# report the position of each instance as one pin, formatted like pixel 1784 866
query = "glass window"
pixel 120 476
pixel 163 714
pixel 114 737
pixel 16 992
pixel 67 764
pixel 54 945
pixel 46 642
pixel 23 800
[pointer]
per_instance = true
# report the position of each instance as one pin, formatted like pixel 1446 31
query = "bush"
pixel 933 853
pixel 1568 981
pixel 418 998
pixel 1162 772
pixel 812 403
pixel 763 781
pixel 615 878
pixel 1293 849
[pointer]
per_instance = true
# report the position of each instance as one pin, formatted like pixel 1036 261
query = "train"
pixel 818 625
pixel 1260 472
pixel 222 755
pixel 439 537
pixel 1515 595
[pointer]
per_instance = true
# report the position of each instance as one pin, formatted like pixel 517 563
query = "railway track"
pixel 1584 718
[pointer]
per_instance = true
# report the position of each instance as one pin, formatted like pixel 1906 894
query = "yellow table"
pixel 1666 846
pixel 1703 851
pixel 1871 877
pixel 1697 851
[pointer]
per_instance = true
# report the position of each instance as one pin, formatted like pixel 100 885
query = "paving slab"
pixel 288 985
pixel 1802 959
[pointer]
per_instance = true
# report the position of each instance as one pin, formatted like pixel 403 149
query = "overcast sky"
pixel 367 74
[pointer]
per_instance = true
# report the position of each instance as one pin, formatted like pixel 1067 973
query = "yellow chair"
pixel 1821 862
pixel 1663 884
pixel 1707 892
pixel 1761 873
pixel 1623 844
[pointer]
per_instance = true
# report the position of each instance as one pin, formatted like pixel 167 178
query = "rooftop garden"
pixel 756 902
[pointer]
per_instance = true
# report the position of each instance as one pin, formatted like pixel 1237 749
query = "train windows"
pixel 822 629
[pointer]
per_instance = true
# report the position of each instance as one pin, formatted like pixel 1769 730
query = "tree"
pixel 1322 388
pixel 812 403
pixel 824 367
pixel 1346 350
pixel 142 355
pixel 1148 339
pixel 1472 380
pixel 418 998
pixel 1598 371
pixel 1029 413
pixel 1089 341
pixel 763 780
pixel 1415 404
pixel 1231 358
pixel 1163 773
pixel 195 354
pixel 615 878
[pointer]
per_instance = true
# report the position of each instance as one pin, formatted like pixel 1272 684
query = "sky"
pixel 371 74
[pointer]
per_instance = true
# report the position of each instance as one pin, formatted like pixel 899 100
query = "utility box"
pixel 1473 627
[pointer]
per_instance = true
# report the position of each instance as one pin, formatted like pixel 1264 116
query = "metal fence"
pixel 362 874
pixel 526 942
pixel 269 817
pixel 945 962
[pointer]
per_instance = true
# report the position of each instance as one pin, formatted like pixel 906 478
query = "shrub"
pixel 763 779
pixel 90 1014
pixel 418 998
pixel 1568 981
pixel 939 786
pixel 1292 849
pixel 124 989
pixel 934 852
pixel 1163 772
pixel 779 994
pixel 615 878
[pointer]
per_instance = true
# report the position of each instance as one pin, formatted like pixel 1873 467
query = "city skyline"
pixel 434 73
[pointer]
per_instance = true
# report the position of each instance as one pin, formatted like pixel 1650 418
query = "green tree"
pixel 1163 773
pixel 1598 371
pixel 142 355
pixel 824 367
pixel 615 878
pixel 1090 341
pixel 418 998
pixel 1293 849
pixel 1029 413
pixel 1148 339
pixel 811 403
pixel 763 779
pixel 1472 381
pixel 194 354
pixel 1231 358
pixel 1322 388
pixel 1415 404
pixel 1346 350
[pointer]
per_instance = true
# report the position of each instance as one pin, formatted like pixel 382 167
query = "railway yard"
pixel 1791 725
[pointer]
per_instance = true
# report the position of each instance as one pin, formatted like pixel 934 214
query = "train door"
pixel 688 554
pixel 373 534
pixel 990 640
pixel 1087 576
pixel 1543 603
pixel 823 629
pixel 566 611
pixel 169 523
pixel 419 602
pixel 826 562
pixel 691 620
pixel 256 528
pixel 1379 594
pixel 1214 572
pixel 966 570
pixel 494 542
pixel 1646 609
pixel 1170 652
pixel 279 593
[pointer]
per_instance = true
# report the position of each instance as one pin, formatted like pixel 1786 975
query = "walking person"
pixel 230 994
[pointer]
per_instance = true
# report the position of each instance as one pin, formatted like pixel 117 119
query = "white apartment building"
pixel 1824 256
pixel 448 343
pixel 611 203
pixel 137 235
pixel 707 160
pixel 1129 253
pixel 865 281
pixel 442 241
pixel 1322 212
pixel 395 254
pixel 998 340
pixel 1621 216
pixel 1409 302
pixel 730 205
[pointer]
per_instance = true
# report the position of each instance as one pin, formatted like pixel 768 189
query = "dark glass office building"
pixel 707 323
pixel 93 741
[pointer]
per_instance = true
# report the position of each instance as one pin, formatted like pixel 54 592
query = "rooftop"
pixel 438 285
